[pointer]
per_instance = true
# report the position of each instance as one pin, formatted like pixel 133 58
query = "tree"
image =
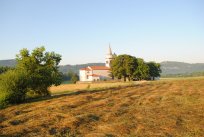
pixel 41 67
pixel 73 77
pixel 34 72
pixel 4 69
pixel 13 87
pixel 123 66
pixel 154 69
pixel 142 71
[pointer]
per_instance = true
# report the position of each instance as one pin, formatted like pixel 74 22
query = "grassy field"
pixel 65 88
pixel 166 108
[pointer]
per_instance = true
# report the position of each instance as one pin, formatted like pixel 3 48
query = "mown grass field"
pixel 167 108
pixel 66 88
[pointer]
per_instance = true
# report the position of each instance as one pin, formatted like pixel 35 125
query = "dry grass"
pixel 157 109
pixel 84 86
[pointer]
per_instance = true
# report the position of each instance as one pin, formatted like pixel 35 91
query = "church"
pixel 97 73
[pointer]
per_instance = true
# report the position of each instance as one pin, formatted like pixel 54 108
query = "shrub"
pixel 34 72
pixel 3 101
pixel 13 87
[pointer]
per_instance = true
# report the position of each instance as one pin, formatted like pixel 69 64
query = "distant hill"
pixel 75 68
pixel 62 68
pixel 168 67
pixel 172 67
pixel 9 62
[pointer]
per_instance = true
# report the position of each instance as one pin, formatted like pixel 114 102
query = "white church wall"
pixel 104 73
pixel 95 78
pixel 82 74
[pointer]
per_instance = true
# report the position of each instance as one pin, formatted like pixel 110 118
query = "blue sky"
pixel 80 30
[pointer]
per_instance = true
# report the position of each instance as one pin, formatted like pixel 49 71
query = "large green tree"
pixel 34 73
pixel 123 66
pixel 142 70
pixel 154 70
pixel 41 67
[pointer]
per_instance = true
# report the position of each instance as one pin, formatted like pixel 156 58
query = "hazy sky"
pixel 80 30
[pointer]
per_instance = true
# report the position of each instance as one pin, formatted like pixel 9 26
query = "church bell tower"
pixel 109 57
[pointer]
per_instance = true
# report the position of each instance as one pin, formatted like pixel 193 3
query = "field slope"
pixel 157 109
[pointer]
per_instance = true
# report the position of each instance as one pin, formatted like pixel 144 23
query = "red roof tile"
pixel 85 68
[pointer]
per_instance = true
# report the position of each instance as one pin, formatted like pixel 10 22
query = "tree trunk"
pixel 124 79
pixel 128 78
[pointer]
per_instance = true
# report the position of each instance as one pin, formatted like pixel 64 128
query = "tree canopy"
pixel 42 68
pixel 154 69
pixel 142 70
pixel 34 73
pixel 123 66
pixel 127 66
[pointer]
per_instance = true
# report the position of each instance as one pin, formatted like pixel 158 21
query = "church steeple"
pixel 109 57
pixel 109 50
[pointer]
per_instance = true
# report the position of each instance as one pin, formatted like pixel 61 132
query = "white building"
pixel 97 73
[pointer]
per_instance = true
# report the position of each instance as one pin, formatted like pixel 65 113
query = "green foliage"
pixel 142 71
pixel 123 66
pixel 42 68
pixel 34 73
pixel 4 69
pixel 154 69
pixel 126 66
pixel 13 87
pixel 73 77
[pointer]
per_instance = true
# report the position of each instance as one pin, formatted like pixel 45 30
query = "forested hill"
pixel 171 67
pixel 75 68
pixel 8 63
pixel 168 67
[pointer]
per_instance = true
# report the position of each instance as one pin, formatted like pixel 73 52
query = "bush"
pixel 34 73
pixel 3 101
pixel 13 87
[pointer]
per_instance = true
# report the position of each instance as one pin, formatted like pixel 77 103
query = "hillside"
pixel 9 62
pixel 75 68
pixel 163 108
pixel 168 67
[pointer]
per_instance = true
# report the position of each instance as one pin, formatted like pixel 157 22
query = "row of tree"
pixel 33 74
pixel 132 68
pixel 71 77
